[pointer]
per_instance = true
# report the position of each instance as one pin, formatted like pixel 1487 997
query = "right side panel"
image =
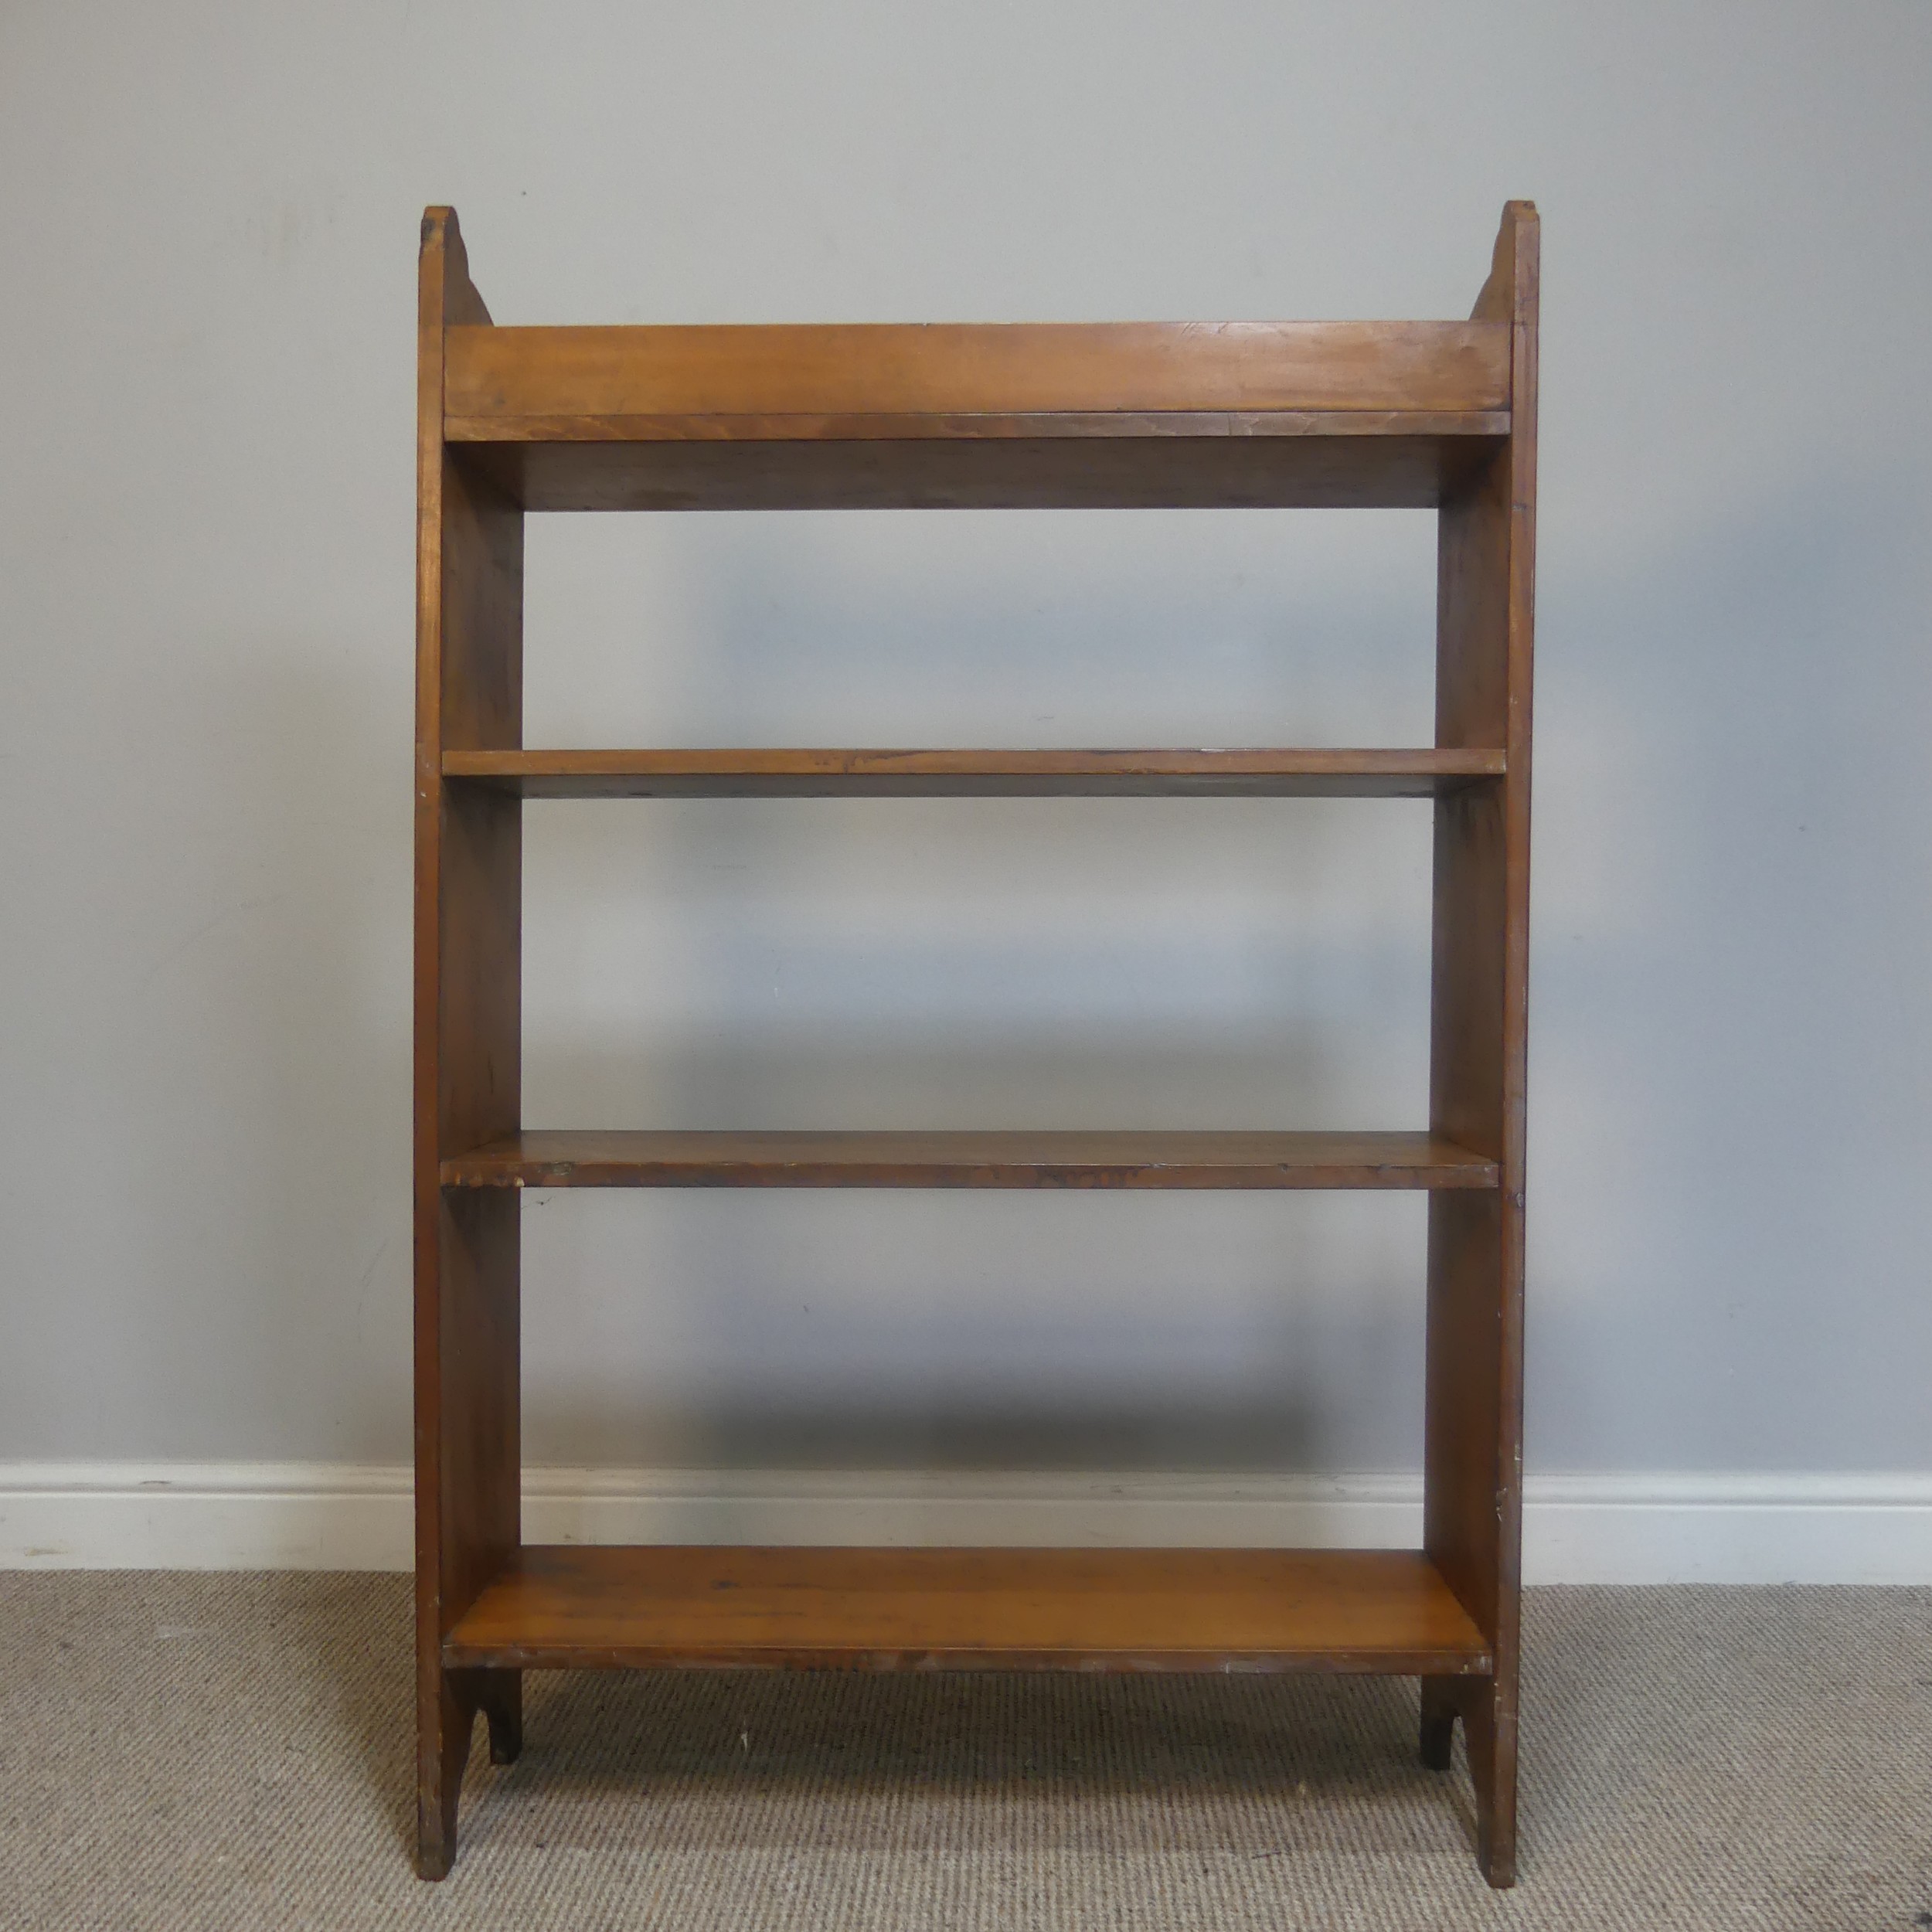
pixel 1472 1432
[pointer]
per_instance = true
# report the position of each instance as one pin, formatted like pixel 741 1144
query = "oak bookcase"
pixel 1439 414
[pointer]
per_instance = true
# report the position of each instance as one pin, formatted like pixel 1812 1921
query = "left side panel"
pixel 469 1054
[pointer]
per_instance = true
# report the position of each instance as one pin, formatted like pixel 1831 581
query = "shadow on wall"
pixel 874 1333
pixel 1729 1057
pixel 948 963
pixel 1729 1053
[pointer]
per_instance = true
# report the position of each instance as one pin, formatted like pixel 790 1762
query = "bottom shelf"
pixel 875 1609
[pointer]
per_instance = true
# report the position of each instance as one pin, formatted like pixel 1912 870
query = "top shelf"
pixel 1020 415
pixel 655 384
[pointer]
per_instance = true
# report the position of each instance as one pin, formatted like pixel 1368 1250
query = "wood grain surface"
pixel 1009 1158
pixel 508 377
pixel 978 416
pixel 777 773
pixel 878 1609
pixel 1473 1420
pixel 467 1053
pixel 1442 414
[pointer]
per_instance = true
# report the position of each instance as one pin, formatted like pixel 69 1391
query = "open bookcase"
pixel 1401 414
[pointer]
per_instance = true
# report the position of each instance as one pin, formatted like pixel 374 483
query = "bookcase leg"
pixel 1438 1721
pixel 1489 1728
pixel 453 1705
pixel 501 1694
pixel 443 1750
pixel 1486 1706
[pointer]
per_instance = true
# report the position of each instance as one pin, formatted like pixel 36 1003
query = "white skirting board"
pixel 1594 1528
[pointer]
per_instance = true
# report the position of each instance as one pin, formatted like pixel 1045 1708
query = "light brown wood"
pixel 874 1609
pixel 506 375
pixel 1473 1424
pixel 1173 427
pixel 1012 1158
pixel 783 773
pixel 468 884
pixel 978 416
pixel 1400 414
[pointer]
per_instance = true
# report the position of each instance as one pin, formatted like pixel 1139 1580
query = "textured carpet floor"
pixel 187 1751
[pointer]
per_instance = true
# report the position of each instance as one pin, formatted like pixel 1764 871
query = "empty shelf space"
pixel 1024 1157
pixel 880 1609
pixel 791 774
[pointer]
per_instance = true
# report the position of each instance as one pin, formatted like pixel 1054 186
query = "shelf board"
pixel 1015 1159
pixel 795 773
pixel 1332 461
pixel 979 415
pixel 1007 1609
pixel 938 372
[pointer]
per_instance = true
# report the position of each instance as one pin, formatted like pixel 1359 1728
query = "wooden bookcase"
pixel 1375 414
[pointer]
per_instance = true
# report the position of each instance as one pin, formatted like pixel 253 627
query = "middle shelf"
pixel 781 772
pixel 1013 1158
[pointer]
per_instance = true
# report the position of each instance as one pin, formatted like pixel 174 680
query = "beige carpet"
pixel 233 1751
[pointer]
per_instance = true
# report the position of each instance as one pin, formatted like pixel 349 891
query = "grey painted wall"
pixel 207 231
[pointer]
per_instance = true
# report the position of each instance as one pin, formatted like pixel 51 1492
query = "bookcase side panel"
pixel 467 1058
pixel 1473 1426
